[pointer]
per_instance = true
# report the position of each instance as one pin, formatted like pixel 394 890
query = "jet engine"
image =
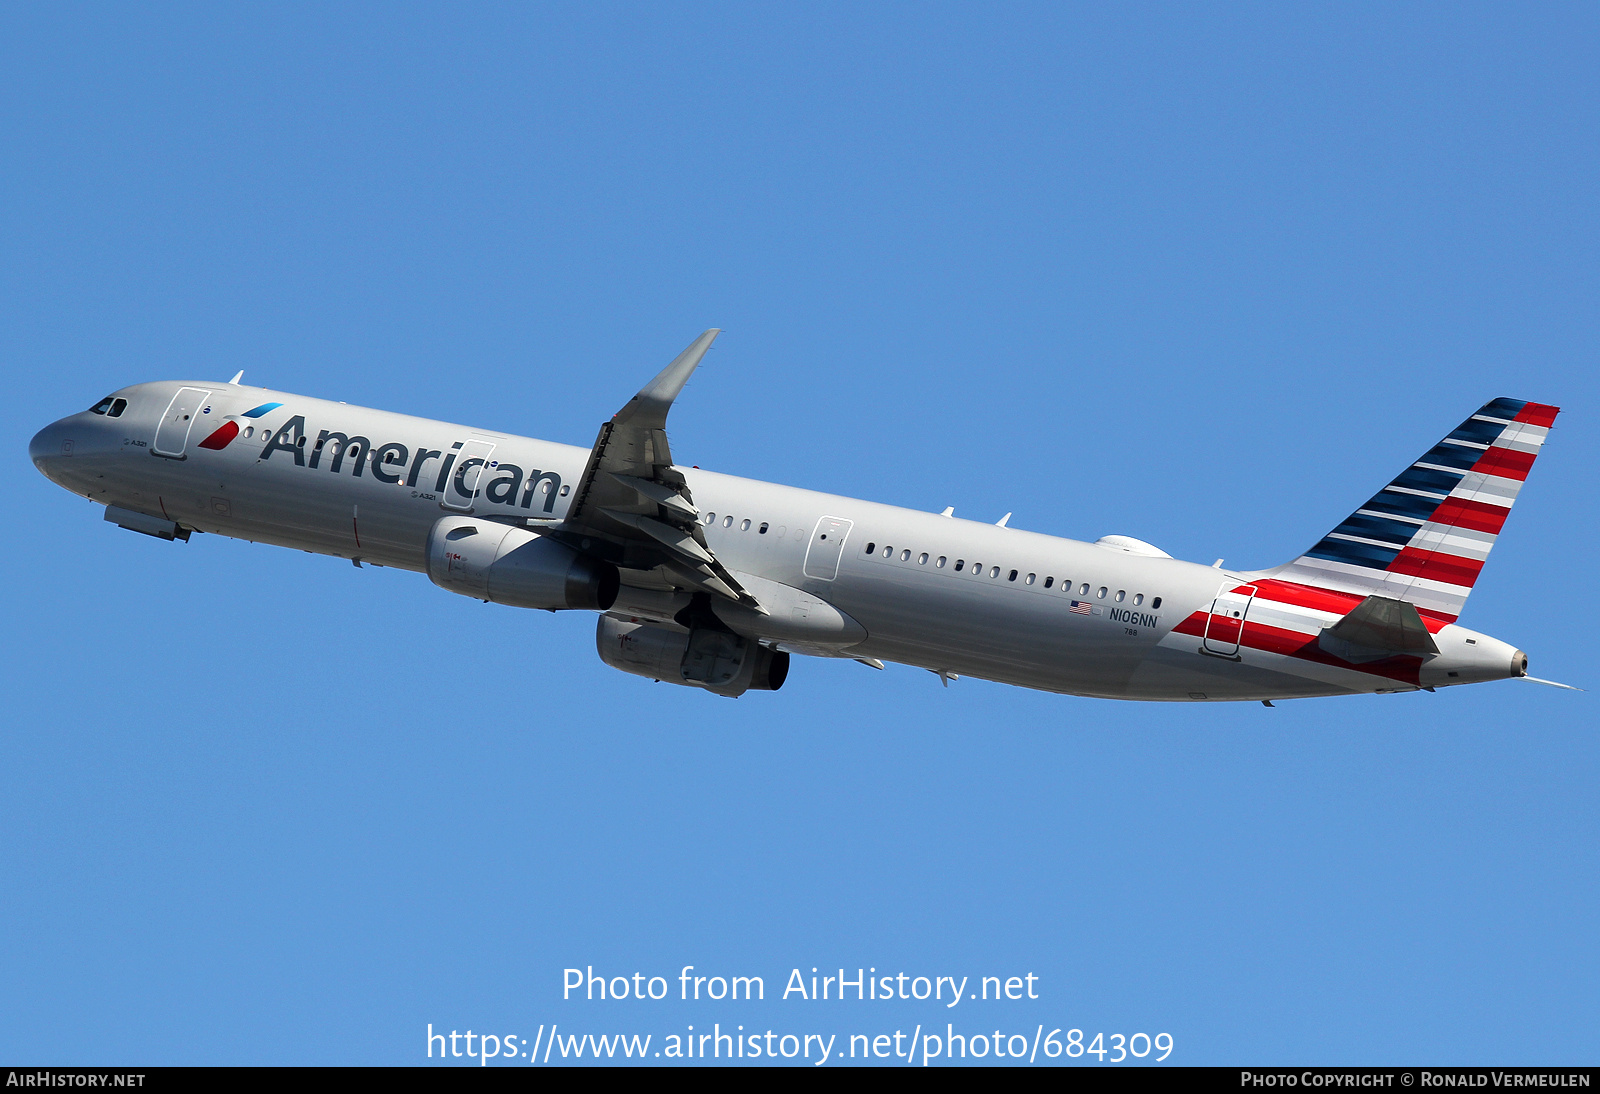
pixel 701 657
pixel 490 561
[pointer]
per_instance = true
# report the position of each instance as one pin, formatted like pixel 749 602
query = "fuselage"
pixel 958 597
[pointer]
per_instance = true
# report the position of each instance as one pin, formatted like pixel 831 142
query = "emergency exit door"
pixel 827 544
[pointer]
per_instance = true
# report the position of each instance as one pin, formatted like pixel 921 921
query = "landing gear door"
pixel 1225 624
pixel 172 435
pixel 827 544
pixel 471 474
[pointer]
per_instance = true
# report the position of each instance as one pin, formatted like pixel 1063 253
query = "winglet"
pixel 648 409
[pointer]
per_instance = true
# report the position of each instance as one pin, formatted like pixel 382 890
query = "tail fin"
pixel 1425 536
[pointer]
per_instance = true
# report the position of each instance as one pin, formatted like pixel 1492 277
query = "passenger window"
pixel 1013 576
pixel 744 526
pixel 922 559
pixel 871 547
pixel 565 490
pixel 117 408
pixel 1102 593
pixel 711 518
pixel 959 564
pixel 1047 582
pixel 102 406
pixel 1156 603
pixel 727 522
pixel 994 571
pixel 940 563
pixel 1138 598
pixel 1030 579
pixel 905 556
pixel 1083 589
pixel 887 551
pixel 762 530
pixel 249 431
pixel 1120 594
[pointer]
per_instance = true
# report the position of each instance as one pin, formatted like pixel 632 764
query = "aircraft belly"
pixel 1181 673
pixel 1002 634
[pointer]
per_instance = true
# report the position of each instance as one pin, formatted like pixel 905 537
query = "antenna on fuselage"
pixel 237 376
pixel 1001 523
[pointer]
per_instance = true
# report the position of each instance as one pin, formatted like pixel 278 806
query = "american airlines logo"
pixel 229 429
pixel 393 462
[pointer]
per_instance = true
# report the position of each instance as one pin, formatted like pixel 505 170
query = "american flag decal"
pixel 1082 607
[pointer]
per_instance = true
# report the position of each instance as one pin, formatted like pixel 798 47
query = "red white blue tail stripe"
pixel 1425 536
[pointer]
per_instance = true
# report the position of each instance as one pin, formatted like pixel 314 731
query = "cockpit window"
pixel 117 408
pixel 102 406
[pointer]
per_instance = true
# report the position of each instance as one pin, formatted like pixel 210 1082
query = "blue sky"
pixel 1204 277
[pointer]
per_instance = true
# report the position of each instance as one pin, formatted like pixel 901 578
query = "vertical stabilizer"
pixel 1425 537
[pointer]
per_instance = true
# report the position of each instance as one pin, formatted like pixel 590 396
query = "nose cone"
pixel 48 447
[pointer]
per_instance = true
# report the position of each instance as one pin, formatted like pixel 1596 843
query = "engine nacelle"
pixel 704 657
pixel 487 560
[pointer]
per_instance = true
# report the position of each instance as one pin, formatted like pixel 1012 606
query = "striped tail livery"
pixel 1425 537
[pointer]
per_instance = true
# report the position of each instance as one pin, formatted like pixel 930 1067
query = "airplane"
pixel 712 581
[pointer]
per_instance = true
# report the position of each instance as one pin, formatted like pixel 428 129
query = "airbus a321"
pixel 713 581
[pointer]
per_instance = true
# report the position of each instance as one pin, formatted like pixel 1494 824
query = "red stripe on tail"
pixel 1538 414
pixel 1476 515
pixel 1332 600
pixel 1269 639
pixel 1507 463
pixel 1436 566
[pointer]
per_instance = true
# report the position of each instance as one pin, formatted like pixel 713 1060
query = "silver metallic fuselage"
pixel 983 623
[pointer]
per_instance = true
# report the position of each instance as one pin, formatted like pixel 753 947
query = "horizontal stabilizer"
pixel 1379 627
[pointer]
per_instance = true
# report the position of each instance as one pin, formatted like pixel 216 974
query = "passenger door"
pixel 470 476
pixel 1225 624
pixel 172 435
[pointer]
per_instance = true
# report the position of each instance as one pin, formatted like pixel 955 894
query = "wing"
pixel 637 505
